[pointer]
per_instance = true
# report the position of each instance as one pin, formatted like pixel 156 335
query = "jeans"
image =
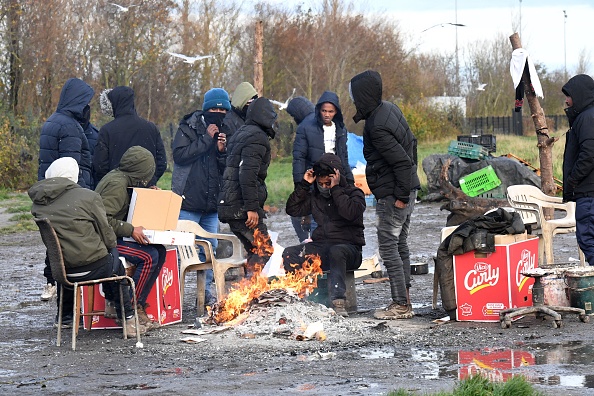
pixel 111 289
pixel 584 221
pixel 246 236
pixel 210 223
pixel 303 231
pixel 336 258
pixel 149 260
pixel 392 233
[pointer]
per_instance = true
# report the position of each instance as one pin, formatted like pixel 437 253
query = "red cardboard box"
pixel 496 365
pixel 485 284
pixel 163 301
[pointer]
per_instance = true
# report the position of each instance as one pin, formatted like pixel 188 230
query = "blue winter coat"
pixel 309 140
pixel 62 135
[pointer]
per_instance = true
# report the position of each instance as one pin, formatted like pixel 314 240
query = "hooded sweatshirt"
pixel 578 162
pixel 248 158
pixel 236 117
pixel 126 130
pixel 78 217
pixel 136 169
pixel 339 217
pixel 389 145
pixel 309 146
pixel 299 108
pixel 62 134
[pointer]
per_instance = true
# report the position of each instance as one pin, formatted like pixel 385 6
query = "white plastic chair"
pixel 530 202
pixel 189 260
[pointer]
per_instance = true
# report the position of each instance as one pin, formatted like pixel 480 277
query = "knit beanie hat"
pixel 216 98
pixel 63 167
pixel 244 92
pixel 326 164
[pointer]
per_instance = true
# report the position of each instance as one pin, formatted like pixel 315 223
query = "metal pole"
pixel 520 18
pixel 565 41
pixel 457 60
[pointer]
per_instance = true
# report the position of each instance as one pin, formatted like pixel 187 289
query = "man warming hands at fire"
pixel 338 210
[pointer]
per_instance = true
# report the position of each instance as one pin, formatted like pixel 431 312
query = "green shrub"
pixel 17 168
pixel 429 123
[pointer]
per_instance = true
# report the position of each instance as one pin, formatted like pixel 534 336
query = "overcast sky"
pixel 545 32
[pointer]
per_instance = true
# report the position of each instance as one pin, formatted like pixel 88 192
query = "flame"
pixel 302 281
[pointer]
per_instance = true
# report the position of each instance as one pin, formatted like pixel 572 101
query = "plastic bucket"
pixel 580 285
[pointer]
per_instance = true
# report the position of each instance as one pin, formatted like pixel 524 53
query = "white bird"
pixel 190 59
pixel 282 106
pixel 481 86
pixel 122 8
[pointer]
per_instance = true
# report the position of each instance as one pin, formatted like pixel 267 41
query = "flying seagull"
pixel 481 86
pixel 190 59
pixel 122 8
pixel 282 106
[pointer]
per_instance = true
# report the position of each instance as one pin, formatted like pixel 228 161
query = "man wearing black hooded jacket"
pixel 578 158
pixel 390 149
pixel 126 130
pixel 244 192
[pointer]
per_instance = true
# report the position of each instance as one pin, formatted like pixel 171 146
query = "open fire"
pixel 300 282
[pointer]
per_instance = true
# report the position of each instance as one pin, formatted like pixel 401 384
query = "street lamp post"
pixel 565 42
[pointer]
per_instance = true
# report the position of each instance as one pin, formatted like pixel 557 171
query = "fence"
pixel 514 125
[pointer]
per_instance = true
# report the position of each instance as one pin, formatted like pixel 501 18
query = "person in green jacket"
pixel 86 239
pixel 136 169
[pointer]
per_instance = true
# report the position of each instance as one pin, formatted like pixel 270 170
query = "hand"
pixel 252 220
pixel 399 204
pixel 139 237
pixel 212 129
pixel 309 176
pixel 154 187
pixel 222 142
pixel 335 178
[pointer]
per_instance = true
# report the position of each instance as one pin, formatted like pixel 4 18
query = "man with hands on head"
pixel 337 207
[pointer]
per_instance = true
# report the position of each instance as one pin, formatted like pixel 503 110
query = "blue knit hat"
pixel 216 98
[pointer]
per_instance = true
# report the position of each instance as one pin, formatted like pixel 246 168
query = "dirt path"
pixel 361 355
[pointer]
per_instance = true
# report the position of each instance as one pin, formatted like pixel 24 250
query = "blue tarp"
pixel 355 149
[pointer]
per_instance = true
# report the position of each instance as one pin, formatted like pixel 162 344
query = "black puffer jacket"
pixel 390 147
pixel 62 135
pixel 248 158
pixel 339 218
pixel 126 130
pixel 309 140
pixel 299 108
pixel 197 165
pixel 578 161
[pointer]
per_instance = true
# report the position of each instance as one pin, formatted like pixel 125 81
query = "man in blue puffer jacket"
pixel 62 134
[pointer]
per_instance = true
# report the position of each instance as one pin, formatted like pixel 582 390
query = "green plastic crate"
pixel 479 182
pixel 467 150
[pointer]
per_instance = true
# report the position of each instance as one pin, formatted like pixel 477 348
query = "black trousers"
pixel 336 258
pixel 111 289
pixel 246 236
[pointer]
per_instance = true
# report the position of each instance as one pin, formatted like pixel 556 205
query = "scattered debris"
pixel 193 340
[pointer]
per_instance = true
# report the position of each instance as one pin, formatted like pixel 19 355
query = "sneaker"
pixel 49 291
pixel 412 313
pixel 144 320
pixel 66 321
pixel 131 326
pixel 394 311
pixel 339 308
pixel 110 310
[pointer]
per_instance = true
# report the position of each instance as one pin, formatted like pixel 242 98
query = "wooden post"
pixel 258 56
pixel 545 141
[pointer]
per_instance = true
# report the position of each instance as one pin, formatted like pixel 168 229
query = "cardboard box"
pixel 167 237
pixel 361 182
pixel 487 284
pixel 496 365
pixel 163 301
pixel 154 209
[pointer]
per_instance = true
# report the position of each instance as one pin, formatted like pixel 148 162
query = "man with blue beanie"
pixel 199 154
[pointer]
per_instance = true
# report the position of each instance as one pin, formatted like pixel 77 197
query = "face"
pixel 327 111
pixel 324 181
pixel 217 110
pixel 568 101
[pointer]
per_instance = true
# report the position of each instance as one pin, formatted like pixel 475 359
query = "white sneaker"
pixel 49 291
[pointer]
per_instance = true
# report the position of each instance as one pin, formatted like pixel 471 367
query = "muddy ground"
pixel 361 356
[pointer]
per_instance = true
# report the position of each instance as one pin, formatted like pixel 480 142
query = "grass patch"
pixel 20 217
pixel 18 209
pixel 481 386
pixel 164 182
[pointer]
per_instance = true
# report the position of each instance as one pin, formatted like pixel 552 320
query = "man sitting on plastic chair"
pixel 87 241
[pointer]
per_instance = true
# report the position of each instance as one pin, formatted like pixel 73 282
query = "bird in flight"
pixel 282 106
pixel 481 86
pixel 122 8
pixel 190 59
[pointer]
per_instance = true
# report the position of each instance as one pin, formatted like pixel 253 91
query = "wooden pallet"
pixel 558 183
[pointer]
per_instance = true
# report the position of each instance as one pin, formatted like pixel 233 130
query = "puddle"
pixel 544 364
